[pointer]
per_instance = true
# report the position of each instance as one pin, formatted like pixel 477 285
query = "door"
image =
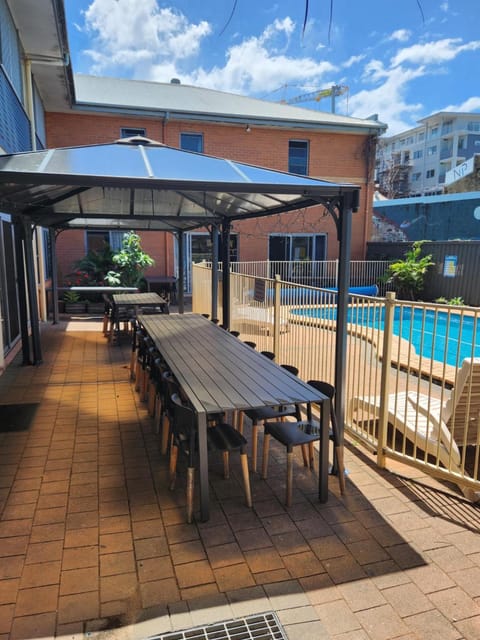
pixel 198 247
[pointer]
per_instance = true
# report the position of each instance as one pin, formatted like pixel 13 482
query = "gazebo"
pixel 137 183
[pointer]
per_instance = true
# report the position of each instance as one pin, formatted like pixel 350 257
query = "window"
pixel 285 246
pixel 462 143
pixel 127 132
pixel 430 173
pixel 421 136
pixel 417 154
pixel 431 151
pixel 433 132
pixel 10 52
pixel 96 240
pixel 473 126
pixel 416 176
pixel 191 142
pixel 298 157
pixel 447 127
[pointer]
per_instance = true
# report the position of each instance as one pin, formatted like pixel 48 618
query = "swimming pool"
pixel 438 335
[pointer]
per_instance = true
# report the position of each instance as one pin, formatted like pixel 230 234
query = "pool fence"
pixel 412 372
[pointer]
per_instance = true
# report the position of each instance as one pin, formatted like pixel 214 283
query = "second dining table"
pixel 218 372
pixel 135 302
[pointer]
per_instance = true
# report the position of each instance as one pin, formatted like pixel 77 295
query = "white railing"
pixel 315 273
pixel 405 397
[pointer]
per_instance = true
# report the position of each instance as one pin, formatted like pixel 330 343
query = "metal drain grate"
pixel 265 626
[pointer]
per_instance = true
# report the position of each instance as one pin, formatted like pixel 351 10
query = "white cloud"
pixel 434 52
pixel 148 34
pixel 160 43
pixel 471 104
pixel 388 98
pixel 256 65
pixel 353 60
pixel 402 35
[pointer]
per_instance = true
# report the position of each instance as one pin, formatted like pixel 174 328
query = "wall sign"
pixel 450 266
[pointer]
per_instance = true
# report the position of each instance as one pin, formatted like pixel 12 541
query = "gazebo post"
pixel 214 302
pixel 181 273
pixel 226 273
pixel 53 261
pixel 32 292
pixel 347 204
pixel 22 292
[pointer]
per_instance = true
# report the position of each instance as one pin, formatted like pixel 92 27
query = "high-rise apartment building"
pixel 415 162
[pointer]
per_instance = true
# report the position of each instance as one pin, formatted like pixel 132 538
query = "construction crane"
pixel 334 91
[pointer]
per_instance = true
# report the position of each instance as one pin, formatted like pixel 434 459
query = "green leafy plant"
pixel 71 297
pixel 456 301
pixel 96 264
pixel 408 275
pixel 130 262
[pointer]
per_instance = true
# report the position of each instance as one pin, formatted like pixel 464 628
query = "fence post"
pixel 385 377
pixel 276 315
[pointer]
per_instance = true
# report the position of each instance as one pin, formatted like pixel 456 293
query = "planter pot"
pixel 75 307
pixel 96 308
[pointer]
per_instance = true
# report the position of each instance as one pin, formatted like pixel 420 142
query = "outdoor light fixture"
pixel 247 128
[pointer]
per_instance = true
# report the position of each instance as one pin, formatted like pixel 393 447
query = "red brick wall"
pixel 333 156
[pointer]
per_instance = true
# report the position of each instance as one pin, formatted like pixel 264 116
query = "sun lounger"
pixel 439 429
pixel 262 317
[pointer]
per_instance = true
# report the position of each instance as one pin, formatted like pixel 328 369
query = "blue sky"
pixel 402 60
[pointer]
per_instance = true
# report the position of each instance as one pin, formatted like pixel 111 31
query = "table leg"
pixel 323 452
pixel 203 464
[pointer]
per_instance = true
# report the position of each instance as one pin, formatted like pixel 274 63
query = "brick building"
pixel 273 135
pixel 44 105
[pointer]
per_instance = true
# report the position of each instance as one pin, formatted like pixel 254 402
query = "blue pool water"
pixel 439 336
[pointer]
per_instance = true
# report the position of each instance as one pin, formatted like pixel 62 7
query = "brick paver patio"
pixel 94 544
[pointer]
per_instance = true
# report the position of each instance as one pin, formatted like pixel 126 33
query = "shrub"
pixel 130 262
pixel 408 275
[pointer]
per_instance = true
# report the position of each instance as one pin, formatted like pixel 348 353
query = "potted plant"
pixel 73 303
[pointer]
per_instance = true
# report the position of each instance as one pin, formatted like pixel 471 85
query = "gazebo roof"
pixel 142 184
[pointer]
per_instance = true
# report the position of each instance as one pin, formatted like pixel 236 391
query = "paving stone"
pixel 343 569
pixel 407 599
pixel 432 625
pixel 247 601
pixel 40 625
pixel 470 628
pixel 382 623
pixel 455 604
pixel 194 573
pixel 337 618
pixel 312 630
pixel 362 594
pixel 430 578
pixel 286 595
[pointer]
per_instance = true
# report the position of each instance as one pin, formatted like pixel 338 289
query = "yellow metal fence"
pixel 413 369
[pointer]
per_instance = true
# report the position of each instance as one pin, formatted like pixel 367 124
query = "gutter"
pixel 371 127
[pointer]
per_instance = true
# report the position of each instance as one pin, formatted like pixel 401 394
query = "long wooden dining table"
pixel 218 372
